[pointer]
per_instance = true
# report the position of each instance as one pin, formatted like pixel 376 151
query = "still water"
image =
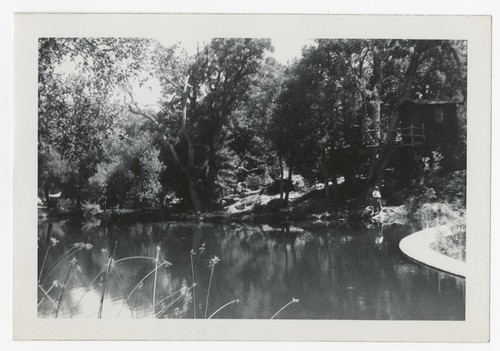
pixel 354 272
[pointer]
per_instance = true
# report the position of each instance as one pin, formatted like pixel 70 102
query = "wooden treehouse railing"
pixel 404 136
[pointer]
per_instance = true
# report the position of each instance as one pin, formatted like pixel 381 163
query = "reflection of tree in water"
pixel 342 272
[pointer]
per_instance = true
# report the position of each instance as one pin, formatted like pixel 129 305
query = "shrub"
pixel 91 210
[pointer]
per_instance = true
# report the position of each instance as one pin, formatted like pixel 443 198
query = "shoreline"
pixel 417 247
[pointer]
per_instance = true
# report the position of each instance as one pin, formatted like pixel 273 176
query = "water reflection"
pixel 342 272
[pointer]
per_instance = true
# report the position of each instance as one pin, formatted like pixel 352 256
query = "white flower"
pixel 213 261
pixel 53 241
pixel 86 246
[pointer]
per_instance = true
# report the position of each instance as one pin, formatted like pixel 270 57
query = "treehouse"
pixel 421 123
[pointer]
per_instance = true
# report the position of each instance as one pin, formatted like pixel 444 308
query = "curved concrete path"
pixel 417 247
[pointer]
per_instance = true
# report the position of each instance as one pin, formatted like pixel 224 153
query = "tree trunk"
pixel 188 167
pixel 378 170
pixel 281 176
pixel 288 184
pixel 333 188
pixel 47 198
pixel 211 179
pixel 193 194
pixel 325 176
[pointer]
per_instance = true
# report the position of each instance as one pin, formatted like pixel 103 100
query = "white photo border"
pixel 475 29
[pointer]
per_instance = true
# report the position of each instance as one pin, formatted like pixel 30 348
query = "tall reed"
pixel 282 308
pixel 211 265
pixel 224 306
pixel 194 290
pixel 193 266
pixel 110 263
pixel 73 267
pixel 157 260
pixel 124 292
pixel 159 314
pixel 75 248
pixel 46 293
pixel 164 263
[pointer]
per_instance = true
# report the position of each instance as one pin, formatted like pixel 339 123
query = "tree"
pixel 343 97
pixel 290 128
pixel 77 79
pixel 128 174
pixel 421 60
pixel 199 96
pixel 248 128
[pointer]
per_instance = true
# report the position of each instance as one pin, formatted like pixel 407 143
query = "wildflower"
pixel 213 261
pixel 141 284
pixel 295 300
pixel 104 251
pixel 56 283
pixel 73 261
pixel 192 252
pixel 86 246
pixel 78 269
pixel 53 241
pixel 202 248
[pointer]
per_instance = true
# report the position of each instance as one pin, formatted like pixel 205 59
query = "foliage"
pixel 90 211
pixel 452 244
pixel 230 114
pixel 341 88
pixel 129 174
pixel 76 104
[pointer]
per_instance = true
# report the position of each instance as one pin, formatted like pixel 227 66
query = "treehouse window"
pixel 439 116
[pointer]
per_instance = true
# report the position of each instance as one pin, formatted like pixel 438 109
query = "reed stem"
pixel 156 275
pixel 124 292
pixel 208 292
pixel 143 279
pixel 43 263
pixel 282 308
pixel 62 290
pixel 46 295
pixel 168 296
pixel 172 303
pixel 194 287
pixel 101 304
pixel 221 308
pixel 63 258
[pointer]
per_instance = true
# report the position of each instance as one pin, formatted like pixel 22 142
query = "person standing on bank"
pixel 376 200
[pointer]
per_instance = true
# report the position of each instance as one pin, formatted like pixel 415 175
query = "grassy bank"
pixel 443 205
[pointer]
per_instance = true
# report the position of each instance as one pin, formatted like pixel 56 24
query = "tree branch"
pixel 133 108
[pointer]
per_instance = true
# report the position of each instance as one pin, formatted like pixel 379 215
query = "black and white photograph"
pixel 223 179
pixel 252 177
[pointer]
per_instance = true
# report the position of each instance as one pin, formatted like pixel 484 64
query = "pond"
pixel 353 271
